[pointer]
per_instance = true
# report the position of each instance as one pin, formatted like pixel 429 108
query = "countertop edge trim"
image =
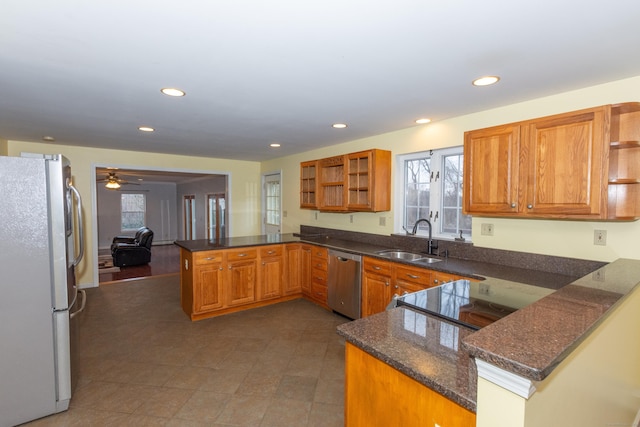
pixel 523 387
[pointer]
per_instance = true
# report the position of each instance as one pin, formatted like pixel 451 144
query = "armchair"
pixel 126 253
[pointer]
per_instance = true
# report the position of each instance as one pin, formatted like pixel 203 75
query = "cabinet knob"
pixel 529 206
pixel 375 267
pixel 396 286
pixel 435 281
pixel 513 205
pixel 387 284
pixel 222 268
pixel 241 255
pixel 413 276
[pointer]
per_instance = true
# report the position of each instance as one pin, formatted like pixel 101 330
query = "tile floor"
pixel 142 362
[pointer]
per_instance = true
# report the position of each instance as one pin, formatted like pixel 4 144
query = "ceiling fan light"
pixel 112 184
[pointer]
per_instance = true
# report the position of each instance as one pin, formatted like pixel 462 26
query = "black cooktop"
pixel 473 304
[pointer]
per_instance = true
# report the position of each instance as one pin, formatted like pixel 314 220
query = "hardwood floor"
pixel 165 259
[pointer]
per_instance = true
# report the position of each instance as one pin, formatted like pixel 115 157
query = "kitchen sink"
pixel 407 256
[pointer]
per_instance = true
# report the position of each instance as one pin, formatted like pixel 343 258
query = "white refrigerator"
pixel 40 246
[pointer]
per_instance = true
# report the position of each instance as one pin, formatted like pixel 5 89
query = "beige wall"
pixel 560 238
pixel 597 385
pixel 244 183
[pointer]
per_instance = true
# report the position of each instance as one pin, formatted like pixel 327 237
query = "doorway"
pixel 189 214
pixel 271 203
pixel 216 216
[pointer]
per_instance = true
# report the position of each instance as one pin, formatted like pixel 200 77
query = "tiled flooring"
pixel 144 363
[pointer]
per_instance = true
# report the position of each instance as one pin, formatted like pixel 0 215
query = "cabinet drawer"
pixel 414 275
pixel 207 257
pixel 319 276
pixel 319 263
pixel 269 251
pixel 241 254
pixel 319 292
pixel 377 266
pixel 320 252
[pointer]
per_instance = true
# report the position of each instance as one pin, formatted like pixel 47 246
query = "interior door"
pixel 271 204
pixel 189 204
pixel 216 216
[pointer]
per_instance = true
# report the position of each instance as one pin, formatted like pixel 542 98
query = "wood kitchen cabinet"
pixel 382 279
pixel 242 269
pixel 624 162
pixel 376 285
pixel 319 272
pixel 372 387
pixel 223 281
pixel 271 277
pixel 577 165
pixel 308 185
pixel 355 182
pixel 332 173
pixel 410 279
pixel 369 181
pixel 208 276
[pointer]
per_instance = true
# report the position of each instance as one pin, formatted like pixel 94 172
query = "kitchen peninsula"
pixel 528 360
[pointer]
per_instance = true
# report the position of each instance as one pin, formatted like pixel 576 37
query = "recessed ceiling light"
pixel 171 91
pixel 274 145
pixel 48 138
pixel 486 81
pixel 146 129
pixel 339 125
pixel 423 121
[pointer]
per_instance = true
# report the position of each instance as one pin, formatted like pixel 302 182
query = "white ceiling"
pixel 256 72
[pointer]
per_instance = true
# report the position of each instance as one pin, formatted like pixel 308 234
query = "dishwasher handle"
pixel 344 256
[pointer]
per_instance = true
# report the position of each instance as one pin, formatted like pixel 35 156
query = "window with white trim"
pixel 132 211
pixel 431 187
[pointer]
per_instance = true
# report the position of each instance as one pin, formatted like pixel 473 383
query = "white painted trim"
pixel 505 379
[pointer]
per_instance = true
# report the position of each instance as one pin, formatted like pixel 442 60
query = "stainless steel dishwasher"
pixel 343 283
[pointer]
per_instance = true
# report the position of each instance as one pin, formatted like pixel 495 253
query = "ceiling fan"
pixel 113 182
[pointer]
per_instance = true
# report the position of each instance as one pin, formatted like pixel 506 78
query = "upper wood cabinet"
pixel 369 181
pixel 551 167
pixel 308 184
pixel 355 182
pixel 624 162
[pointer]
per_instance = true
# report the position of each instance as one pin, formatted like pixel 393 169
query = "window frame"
pixel 122 212
pixel 437 158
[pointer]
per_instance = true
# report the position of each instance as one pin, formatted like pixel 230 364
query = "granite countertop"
pixel 530 342
pixel 420 346
pixel 472 269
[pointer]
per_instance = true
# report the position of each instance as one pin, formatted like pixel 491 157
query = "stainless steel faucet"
pixel 431 245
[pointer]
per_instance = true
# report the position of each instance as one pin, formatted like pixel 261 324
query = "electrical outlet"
pixel 316 216
pixel 383 221
pixel 598 275
pixel 486 229
pixel 484 288
pixel 351 219
pixel 284 214
pixel 600 237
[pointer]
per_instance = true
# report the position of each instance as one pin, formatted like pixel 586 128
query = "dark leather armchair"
pixel 126 252
pixel 127 239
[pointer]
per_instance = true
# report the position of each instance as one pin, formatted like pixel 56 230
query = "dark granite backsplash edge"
pixel 466 251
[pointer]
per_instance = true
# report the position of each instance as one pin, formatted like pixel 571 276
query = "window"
pixel 431 188
pixel 132 211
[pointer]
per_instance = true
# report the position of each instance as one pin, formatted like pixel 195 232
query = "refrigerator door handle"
pixel 84 302
pixel 80 254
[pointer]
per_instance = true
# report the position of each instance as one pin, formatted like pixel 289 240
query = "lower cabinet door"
pixel 208 288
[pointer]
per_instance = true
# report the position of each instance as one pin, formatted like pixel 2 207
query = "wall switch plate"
pixel 600 237
pixel 383 221
pixel 351 219
pixel 484 289
pixel 486 229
